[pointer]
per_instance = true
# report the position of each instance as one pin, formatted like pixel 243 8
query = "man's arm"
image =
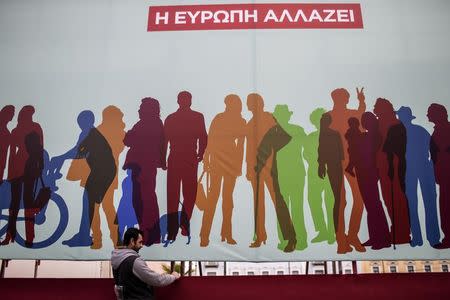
pixel 150 277
pixel 202 138
pixel 361 97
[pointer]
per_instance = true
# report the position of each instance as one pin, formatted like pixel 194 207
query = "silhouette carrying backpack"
pixel 43 196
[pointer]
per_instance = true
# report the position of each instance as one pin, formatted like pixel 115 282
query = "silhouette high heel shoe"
pixel 290 247
pixel 229 240
pixel 257 243
pixel 8 239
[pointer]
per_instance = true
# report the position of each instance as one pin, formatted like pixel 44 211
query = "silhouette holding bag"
pixel 43 195
pixel 202 194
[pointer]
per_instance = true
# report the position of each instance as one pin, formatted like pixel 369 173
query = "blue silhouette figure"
pixel 182 217
pixel 126 216
pixel 86 120
pixel 419 169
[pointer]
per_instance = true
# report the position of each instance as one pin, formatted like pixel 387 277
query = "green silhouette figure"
pixel 291 175
pixel 319 190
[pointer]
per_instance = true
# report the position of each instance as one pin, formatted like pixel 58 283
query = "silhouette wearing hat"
pixel 323 220
pixel 291 175
pixel 419 170
pixel 440 155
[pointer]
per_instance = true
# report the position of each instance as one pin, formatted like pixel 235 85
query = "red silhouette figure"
pixel 24 168
pixel 186 133
pixel 391 163
pixel 146 154
pixel 6 115
pixel 339 116
pixel 363 149
pixel 440 154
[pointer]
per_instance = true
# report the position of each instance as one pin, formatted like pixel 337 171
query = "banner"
pixel 225 130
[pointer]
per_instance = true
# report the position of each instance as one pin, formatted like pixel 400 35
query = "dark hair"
pixel 131 234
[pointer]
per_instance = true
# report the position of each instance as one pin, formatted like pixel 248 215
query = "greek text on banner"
pixel 255 16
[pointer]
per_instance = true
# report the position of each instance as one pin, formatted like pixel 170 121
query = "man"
pixel 132 273
pixel 185 131
pixel 339 116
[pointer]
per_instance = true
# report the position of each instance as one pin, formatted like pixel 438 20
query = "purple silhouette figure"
pixel 365 162
pixel 440 155
pixel 145 156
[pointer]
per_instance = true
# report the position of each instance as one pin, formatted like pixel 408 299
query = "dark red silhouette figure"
pixel 24 168
pixel 331 156
pixel 146 154
pixel 6 115
pixel 352 136
pixel 186 133
pixel 440 155
pixel 363 149
pixel 391 163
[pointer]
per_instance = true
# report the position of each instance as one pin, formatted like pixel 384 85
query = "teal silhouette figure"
pixel 319 190
pixel 291 175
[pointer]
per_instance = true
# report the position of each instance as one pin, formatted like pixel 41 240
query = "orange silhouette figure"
pixel 223 161
pixel 112 128
pixel 340 115
pixel 260 123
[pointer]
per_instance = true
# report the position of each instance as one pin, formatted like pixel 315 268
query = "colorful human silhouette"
pixel 6 115
pixel 145 155
pixel 78 171
pixel 126 216
pixel 340 115
pixel 363 149
pixel 419 170
pixel 391 164
pixel 112 129
pixel 186 133
pixel 319 190
pixel 262 170
pixel 223 163
pixel 24 168
pixel 331 156
pixel 440 155
pixel 291 175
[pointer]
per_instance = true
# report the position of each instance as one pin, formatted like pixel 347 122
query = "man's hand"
pixel 360 94
pixel 177 275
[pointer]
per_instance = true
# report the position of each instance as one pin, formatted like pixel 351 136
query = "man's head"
pixel 405 115
pixel 325 121
pixel 340 97
pixel 255 102
pixel 132 239
pixel 7 113
pixel 282 113
pixel 369 121
pixel 25 114
pixel 86 119
pixel 184 99
pixel 233 104
pixel 149 108
pixel 437 113
pixel 383 108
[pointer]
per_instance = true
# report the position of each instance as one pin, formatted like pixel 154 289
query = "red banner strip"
pixel 255 16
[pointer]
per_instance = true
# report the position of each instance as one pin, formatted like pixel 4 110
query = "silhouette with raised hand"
pixel 272 142
pixel 78 171
pixel 323 221
pixel 186 133
pixel 145 156
pixel 112 128
pixel 391 164
pixel 291 175
pixel 340 115
pixel 440 155
pixel 331 155
pixel 223 163
pixel 363 149
pixel 6 115
pixel 24 167
pixel 419 169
